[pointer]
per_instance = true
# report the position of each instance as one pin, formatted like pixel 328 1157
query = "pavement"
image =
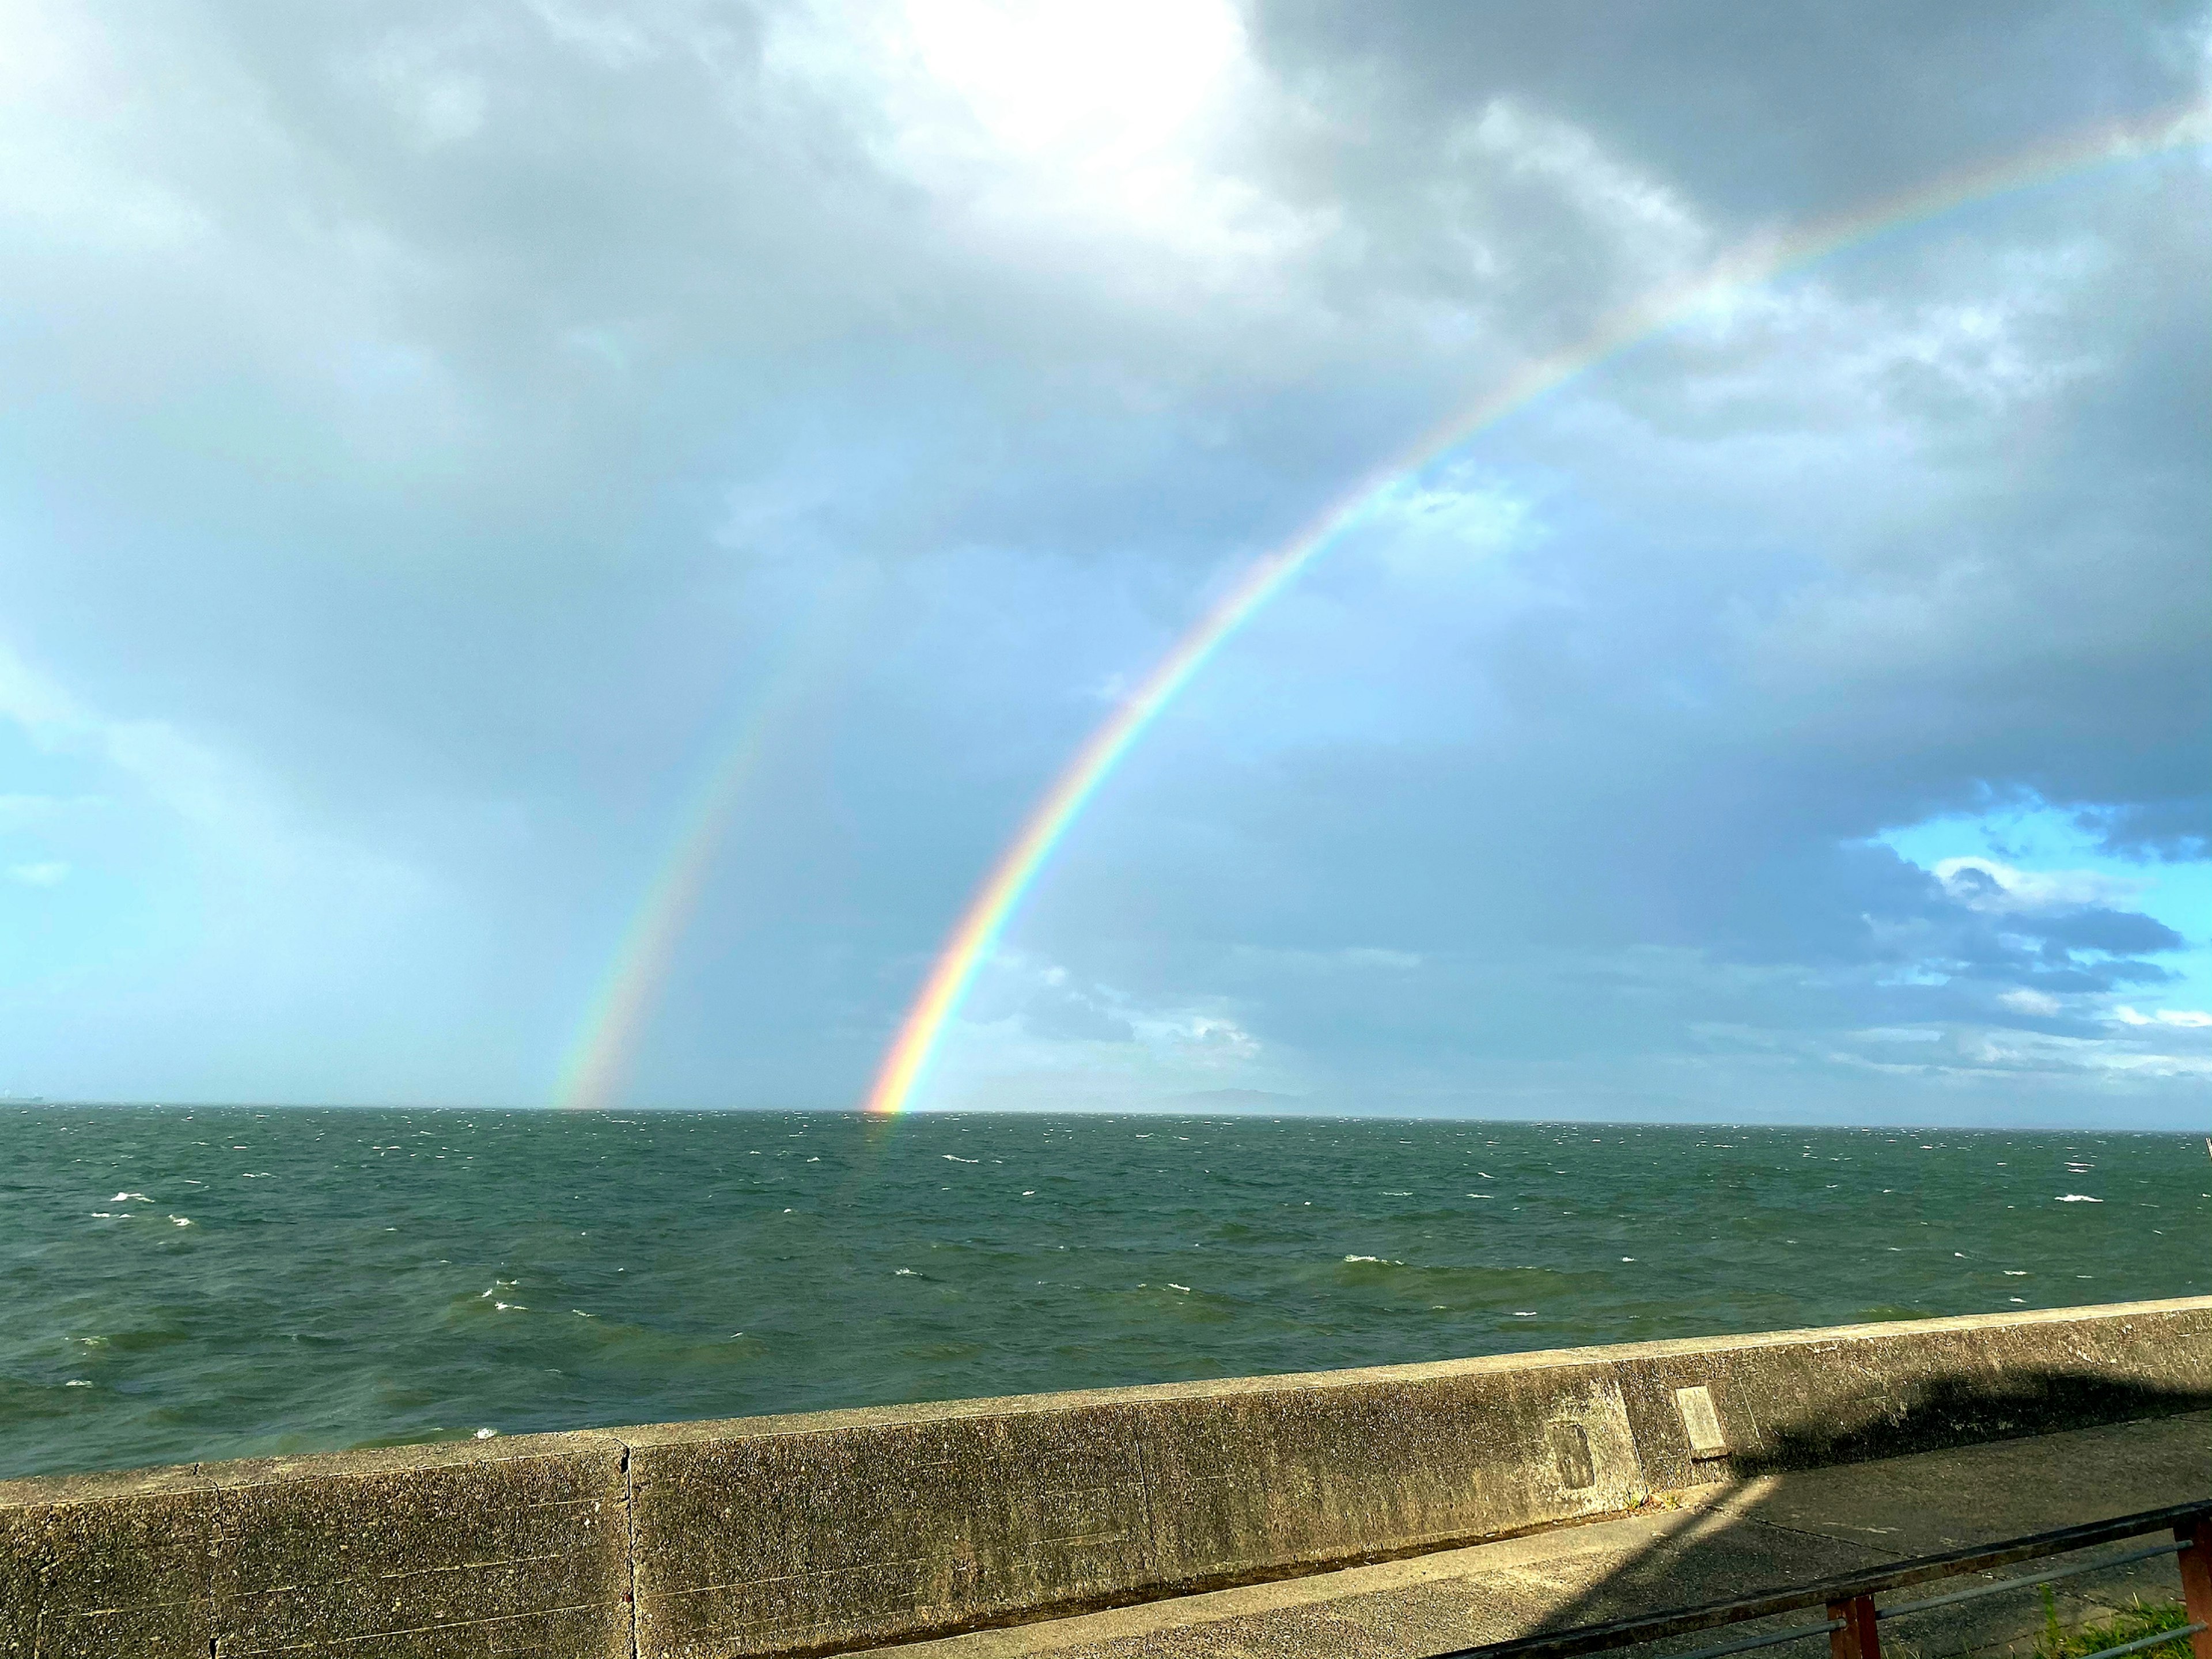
pixel 1727 1538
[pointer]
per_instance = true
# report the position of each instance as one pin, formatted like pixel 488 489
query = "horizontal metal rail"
pixel 1844 1587
pixel 1772 1639
pixel 2028 1579
pixel 2157 1638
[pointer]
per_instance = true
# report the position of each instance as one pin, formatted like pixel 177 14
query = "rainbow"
pixel 976 935
pixel 599 1056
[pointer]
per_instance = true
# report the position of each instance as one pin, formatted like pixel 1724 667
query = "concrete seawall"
pixel 844 1529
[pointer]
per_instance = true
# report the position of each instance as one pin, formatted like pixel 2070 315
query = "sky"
pixel 551 541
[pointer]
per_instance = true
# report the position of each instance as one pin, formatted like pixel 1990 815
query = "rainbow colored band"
pixel 977 933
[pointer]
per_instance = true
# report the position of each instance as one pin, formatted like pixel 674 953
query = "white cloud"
pixel 1648 219
pixel 1057 128
pixel 1448 524
pixel 1210 1041
pixel 608 38
pixel 2023 1001
pixel 1985 885
pixel 2188 1019
pixel 183 775
pixel 243 817
pixel 1036 1034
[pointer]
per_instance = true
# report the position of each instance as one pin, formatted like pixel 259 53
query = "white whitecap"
pixel 2078 1197
pixel 136 1198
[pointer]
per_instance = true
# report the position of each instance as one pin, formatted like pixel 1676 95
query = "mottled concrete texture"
pixel 514 1546
pixel 1731 1538
pixel 848 1529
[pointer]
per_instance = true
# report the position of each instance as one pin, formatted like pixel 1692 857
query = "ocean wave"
pixel 2078 1197
pixel 353 1334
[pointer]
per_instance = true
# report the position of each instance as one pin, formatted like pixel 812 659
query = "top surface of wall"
pixel 840 1529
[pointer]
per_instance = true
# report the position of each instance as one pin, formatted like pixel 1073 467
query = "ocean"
pixel 183 1284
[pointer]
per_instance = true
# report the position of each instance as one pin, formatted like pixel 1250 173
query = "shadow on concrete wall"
pixel 1955 1411
pixel 1816 1501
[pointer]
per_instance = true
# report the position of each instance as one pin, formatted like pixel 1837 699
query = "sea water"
pixel 178 1285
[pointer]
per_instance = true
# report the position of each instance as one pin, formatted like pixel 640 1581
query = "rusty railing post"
pixel 2196 1565
pixel 1855 1637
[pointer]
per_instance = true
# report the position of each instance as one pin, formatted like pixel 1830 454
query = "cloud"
pixel 431 426
pixel 1984 884
pixel 49 873
pixel 2186 1019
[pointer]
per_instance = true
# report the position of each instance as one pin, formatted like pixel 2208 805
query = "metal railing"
pixel 1853 1620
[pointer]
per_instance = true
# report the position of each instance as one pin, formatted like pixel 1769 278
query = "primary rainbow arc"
pixel 981 924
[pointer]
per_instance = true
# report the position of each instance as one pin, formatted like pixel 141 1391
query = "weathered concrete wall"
pixel 517 1546
pixel 841 1530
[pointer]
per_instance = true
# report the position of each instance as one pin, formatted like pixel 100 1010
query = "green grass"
pixel 2143 1619
pixel 2058 1641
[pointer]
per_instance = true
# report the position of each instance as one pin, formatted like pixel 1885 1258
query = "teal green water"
pixel 180 1285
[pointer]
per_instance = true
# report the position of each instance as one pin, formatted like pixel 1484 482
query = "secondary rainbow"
pixel 977 932
pixel 598 1057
